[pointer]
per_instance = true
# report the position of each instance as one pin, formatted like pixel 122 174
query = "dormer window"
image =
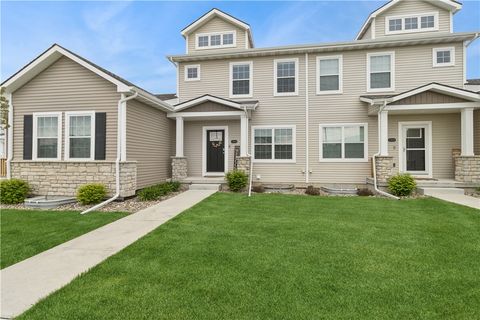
pixel 411 23
pixel 216 40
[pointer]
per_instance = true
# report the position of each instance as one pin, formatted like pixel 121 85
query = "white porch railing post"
pixel 179 138
pixel 467 131
pixel 383 132
pixel 243 135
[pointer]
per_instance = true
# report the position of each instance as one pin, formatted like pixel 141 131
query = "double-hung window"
pixel 381 72
pixel 79 135
pixel 241 79
pixel 286 77
pixel 47 131
pixel 343 142
pixel 329 74
pixel 443 57
pixel 274 144
pixel 192 72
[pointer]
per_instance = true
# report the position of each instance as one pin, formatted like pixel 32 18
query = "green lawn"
pixel 24 233
pixel 289 257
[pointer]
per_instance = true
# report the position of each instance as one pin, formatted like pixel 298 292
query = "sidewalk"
pixel 25 283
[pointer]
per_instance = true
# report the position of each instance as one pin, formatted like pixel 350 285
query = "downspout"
pixel 119 153
pixel 250 173
pixel 307 154
pixel 383 193
pixel 10 136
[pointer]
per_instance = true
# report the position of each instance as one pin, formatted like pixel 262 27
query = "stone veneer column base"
pixel 384 168
pixel 467 168
pixel 243 164
pixel 179 168
pixel 62 178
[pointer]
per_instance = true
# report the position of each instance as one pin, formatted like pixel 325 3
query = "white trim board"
pixel 209 15
pixel 429 146
pixel 204 151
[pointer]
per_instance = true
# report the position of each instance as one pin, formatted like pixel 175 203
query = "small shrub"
pixel 401 185
pixel 173 186
pixel 364 192
pixel 155 192
pixel 258 188
pixel 236 180
pixel 13 191
pixel 91 193
pixel 312 191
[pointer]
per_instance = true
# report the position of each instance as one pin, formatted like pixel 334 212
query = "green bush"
pixel 237 180
pixel 402 185
pixel 312 191
pixel 91 193
pixel 155 192
pixel 13 191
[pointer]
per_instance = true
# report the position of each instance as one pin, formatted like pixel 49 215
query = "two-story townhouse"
pixel 317 114
pixel 392 100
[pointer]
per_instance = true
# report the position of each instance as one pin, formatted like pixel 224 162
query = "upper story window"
pixel 381 71
pixel 192 72
pixel 274 144
pixel 80 135
pixel 411 23
pixel 47 131
pixel 216 40
pixel 241 79
pixel 343 142
pixel 329 74
pixel 443 57
pixel 286 77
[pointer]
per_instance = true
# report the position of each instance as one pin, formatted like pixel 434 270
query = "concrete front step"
pixel 435 191
pixel 204 186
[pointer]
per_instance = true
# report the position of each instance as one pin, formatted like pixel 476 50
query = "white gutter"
pixel 383 193
pixel 307 167
pixel 119 153
pixel 10 136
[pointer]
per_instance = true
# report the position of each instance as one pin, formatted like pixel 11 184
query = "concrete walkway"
pixel 453 195
pixel 25 283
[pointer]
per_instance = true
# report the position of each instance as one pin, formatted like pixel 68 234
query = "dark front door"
pixel 215 150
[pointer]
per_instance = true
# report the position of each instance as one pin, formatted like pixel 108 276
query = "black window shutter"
pixel 100 135
pixel 27 136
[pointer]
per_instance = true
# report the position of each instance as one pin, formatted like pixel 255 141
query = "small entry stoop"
pixel 437 191
pixel 204 186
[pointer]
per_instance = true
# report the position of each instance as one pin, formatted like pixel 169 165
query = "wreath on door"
pixel 216 144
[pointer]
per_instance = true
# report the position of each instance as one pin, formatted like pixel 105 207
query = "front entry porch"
pixel 211 138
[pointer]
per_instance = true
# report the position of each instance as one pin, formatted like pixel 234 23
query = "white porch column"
pixel 467 131
pixel 383 132
pixel 179 138
pixel 243 135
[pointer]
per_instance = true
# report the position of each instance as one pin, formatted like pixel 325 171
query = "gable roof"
pixel 450 5
pixel 218 13
pixel 55 52
pixel 237 105
pixel 433 86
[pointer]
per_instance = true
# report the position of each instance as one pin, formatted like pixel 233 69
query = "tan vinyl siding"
pixel 476 123
pixel 148 142
pixel 428 97
pixel 216 24
pixel 412 7
pixel 367 34
pixel 66 86
pixel 193 144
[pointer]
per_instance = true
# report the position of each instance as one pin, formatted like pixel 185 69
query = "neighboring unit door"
pixel 415 149
pixel 215 151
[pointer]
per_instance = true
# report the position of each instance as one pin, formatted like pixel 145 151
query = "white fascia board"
pixel 203 99
pixel 207 16
pixel 440 89
pixel 152 99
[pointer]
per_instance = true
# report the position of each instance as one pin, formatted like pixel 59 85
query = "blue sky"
pixel 132 39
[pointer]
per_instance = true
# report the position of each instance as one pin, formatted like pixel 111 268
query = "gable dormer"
pixel 217 30
pixel 410 17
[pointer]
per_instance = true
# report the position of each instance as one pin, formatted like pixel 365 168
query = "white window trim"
pixel 250 89
pixel 283 94
pixel 415 15
pixel 220 33
pixel 441 65
pixel 294 144
pixel 186 72
pixel 67 135
pixel 392 71
pixel 340 75
pixel 343 159
pixel 37 115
